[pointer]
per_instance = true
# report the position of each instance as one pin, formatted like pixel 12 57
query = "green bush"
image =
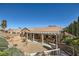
pixel 68 41
pixel 3 44
pixel 14 52
pixel 75 42
pixel 4 53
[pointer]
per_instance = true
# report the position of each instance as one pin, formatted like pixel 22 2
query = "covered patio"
pixel 48 37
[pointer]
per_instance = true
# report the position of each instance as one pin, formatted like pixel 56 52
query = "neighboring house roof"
pixel 25 30
pixel 14 30
pixel 68 34
pixel 10 30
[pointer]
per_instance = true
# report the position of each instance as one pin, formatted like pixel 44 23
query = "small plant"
pixel 15 45
pixel 24 40
pixel 4 53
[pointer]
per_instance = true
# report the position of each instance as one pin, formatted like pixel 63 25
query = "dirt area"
pixel 28 48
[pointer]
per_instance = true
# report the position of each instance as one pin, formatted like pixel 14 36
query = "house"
pixel 45 35
pixel 14 31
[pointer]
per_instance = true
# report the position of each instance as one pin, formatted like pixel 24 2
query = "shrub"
pixel 15 45
pixel 75 42
pixel 4 53
pixel 3 44
pixel 24 40
pixel 14 52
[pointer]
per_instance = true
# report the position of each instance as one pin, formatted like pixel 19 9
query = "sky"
pixel 38 15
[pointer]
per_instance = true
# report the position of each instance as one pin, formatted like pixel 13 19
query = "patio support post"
pixel 42 38
pixel 56 41
pixel 57 44
pixel 27 36
pixel 33 36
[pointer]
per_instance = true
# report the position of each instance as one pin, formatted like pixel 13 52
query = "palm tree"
pixel 4 24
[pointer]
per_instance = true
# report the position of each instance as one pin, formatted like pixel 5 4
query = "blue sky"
pixel 38 15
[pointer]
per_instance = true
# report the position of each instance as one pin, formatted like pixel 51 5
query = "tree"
pixel 4 24
pixel 78 27
pixel 70 28
pixel 74 28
